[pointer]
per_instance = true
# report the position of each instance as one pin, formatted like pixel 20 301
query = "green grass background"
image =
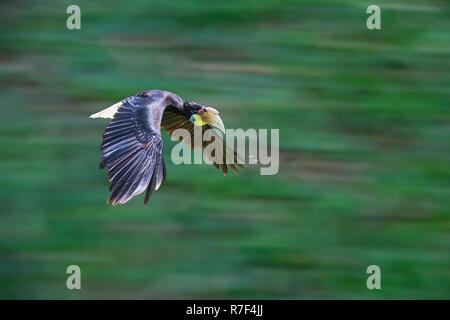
pixel 364 174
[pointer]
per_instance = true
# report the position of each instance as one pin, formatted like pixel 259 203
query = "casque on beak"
pixel 211 117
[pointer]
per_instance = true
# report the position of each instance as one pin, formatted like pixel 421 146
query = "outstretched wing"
pixel 172 121
pixel 132 149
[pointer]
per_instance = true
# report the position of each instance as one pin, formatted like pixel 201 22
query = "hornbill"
pixel 132 144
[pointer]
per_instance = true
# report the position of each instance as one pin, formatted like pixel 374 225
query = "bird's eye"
pixel 200 112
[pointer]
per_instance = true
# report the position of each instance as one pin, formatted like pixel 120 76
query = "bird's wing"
pixel 108 112
pixel 132 150
pixel 172 121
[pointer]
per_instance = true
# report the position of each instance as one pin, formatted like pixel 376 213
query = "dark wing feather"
pixel 132 149
pixel 172 121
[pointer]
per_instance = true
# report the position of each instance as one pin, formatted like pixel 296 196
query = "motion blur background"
pixel 364 174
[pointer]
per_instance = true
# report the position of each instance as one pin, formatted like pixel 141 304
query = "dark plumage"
pixel 132 144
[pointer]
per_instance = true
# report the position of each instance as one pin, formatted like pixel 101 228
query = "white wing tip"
pixel 108 112
pixel 97 115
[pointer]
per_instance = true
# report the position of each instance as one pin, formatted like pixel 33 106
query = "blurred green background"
pixel 364 174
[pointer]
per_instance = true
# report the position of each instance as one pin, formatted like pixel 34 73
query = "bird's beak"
pixel 211 117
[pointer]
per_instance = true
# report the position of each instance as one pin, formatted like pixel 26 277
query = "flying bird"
pixel 132 145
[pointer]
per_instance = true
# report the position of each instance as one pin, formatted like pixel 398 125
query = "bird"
pixel 132 144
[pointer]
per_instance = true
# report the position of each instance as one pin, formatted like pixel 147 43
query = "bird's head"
pixel 201 115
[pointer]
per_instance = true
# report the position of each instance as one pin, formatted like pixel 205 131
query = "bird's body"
pixel 132 144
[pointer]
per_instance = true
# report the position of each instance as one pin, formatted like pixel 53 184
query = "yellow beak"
pixel 211 117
